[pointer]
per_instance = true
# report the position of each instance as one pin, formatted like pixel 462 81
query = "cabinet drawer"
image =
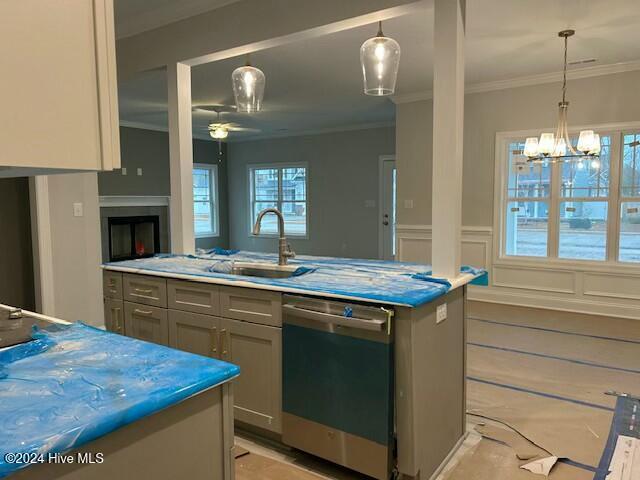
pixel 193 297
pixel 114 315
pixel 257 306
pixel 146 323
pixel 145 289
pixel 194 333
pixel 112 284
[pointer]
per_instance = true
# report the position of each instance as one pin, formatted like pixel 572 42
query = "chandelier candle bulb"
pixel 586 141
pixel 547 143
pixel 531 147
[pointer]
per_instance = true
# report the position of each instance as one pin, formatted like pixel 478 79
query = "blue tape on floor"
pixel 542 355
pixel 601 337
pixel 624 423
pixel 541 394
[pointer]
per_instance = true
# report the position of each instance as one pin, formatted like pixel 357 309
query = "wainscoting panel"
pixel 581 287
pixel 612 285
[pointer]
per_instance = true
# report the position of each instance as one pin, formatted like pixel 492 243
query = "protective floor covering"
pixel 256 467
pixel 545 374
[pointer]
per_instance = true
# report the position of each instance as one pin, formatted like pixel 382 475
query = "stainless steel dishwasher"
pixel 338 383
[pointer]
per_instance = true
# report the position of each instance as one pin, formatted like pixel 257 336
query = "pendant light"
pixel 248 88
pixel 380 58
pixel 557 147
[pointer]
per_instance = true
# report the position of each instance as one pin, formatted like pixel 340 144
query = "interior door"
pixel 388 208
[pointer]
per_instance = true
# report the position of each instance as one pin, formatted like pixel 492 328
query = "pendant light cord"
pixel 380 34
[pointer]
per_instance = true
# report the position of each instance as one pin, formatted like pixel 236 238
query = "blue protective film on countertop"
pixel 68 387
pixel 407 284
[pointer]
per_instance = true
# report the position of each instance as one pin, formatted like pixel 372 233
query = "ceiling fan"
pixel 220 130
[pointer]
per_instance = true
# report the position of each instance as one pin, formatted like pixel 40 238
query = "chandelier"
pixel 557 147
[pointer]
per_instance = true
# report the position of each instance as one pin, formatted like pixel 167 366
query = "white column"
pixel 448 119
pixel 180 158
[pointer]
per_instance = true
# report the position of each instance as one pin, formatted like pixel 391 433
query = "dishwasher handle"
pixel 351 322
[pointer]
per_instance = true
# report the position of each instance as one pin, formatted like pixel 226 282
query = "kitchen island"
pixel 384 348
pixel 77 402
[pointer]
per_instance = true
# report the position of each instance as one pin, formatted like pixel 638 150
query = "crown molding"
pixel 586 72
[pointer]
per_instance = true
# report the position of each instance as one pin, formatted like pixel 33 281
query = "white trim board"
pixel 526 81
pixel 133 201
pixel 596 288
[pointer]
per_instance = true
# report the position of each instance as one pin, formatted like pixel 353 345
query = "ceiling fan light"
pixel 248 88
pixel 586 141
pixel 547 143
pixel 380 59
pixel 531 147
pixel 219 133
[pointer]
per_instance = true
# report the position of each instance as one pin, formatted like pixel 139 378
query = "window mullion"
pixel 553 238
pixel 615 172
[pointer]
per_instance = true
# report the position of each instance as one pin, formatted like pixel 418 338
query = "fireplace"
pixel 133 237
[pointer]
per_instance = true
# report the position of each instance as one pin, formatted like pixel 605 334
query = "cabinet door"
pixel 59 86
pixel 146 323
pixel 257 350
pixel 114 315
pixel 194 333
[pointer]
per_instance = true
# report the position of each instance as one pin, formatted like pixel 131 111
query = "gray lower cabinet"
pixel 238 325
pixel 195 333
pixel 114 315
pixel 146 323
pixel 257 349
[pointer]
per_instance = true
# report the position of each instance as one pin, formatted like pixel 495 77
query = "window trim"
pixel 249 197
pixel 614 199
pixel 213 190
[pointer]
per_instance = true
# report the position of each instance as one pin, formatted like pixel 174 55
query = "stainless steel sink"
pixel 263 270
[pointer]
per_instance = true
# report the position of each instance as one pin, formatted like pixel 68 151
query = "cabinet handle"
pixel 146 291
pixel 116 311
pixel 112 283
pixel 214 341
pixel 222 341
pixel 142 312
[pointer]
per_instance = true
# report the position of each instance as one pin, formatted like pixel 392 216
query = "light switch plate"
pixel 78 210
pixel 408 204
pixel 124 170
pixel 441 313
pixel 139 172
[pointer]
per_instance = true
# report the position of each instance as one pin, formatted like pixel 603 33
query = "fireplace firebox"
pixel 133 237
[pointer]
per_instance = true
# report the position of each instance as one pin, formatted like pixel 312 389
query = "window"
pixel 284 188
pixel 205 200
pixel 573 211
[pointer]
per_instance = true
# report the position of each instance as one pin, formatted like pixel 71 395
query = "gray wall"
pixel 16 255
pixel 596 100
pixel 149 150
pixel 343 175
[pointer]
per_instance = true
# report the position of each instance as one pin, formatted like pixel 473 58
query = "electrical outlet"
pixel 441 313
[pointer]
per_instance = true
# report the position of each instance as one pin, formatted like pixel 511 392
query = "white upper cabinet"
pixel 58 87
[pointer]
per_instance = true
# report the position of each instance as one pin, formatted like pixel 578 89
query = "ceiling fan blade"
pixel 244 129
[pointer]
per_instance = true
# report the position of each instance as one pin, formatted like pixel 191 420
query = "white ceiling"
pixel 316 84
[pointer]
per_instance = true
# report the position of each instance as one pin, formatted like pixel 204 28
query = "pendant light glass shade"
pixel 248 88
pixel 380 59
